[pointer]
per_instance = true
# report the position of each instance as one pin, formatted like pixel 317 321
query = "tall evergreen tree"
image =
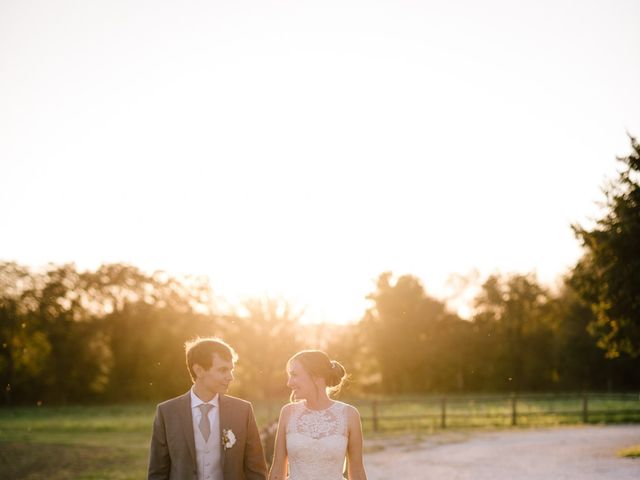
pixel 607 276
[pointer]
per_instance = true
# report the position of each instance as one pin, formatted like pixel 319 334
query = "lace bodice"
pixel 317 442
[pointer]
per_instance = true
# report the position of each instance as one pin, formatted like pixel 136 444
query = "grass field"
pixel 92 442
pixel 111 442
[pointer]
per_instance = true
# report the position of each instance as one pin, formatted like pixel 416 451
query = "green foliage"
pixel 413 338
pixel 146 342
pixel 513 325
pixel 265 333
pixel 117 334
pixel 114 333
pixel 50 347
pixel 607 277
pixel 521 338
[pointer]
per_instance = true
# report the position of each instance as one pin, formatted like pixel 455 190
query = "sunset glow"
pixel 300 149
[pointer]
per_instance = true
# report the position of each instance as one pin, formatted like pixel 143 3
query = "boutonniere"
pixel 228 438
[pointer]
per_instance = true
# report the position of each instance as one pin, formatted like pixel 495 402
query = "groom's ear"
pixel 198 370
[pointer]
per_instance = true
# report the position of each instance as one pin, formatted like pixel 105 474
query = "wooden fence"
pixel 416 413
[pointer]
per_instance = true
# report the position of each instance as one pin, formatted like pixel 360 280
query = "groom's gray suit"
pixel 173 451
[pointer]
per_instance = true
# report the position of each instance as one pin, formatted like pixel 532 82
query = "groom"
pixel 205 434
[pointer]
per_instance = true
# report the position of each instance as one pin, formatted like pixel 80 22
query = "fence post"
pixel 443 412
pixel 374 410
pixel 585 407
pixel 514 410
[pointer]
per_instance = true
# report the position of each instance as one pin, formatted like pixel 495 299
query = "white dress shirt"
pixel 208 453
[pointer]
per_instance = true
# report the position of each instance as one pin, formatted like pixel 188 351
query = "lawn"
pixel 92 442
pixel 111 442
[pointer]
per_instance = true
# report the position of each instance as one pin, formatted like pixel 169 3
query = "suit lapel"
pixel 186 421
pixel 225 423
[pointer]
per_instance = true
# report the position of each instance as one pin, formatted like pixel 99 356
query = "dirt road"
pixel 562 453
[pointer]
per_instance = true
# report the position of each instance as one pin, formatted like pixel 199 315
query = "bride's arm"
pixel 354 447
pixel 278 469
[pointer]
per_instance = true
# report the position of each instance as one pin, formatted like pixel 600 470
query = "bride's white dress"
pixel 317 442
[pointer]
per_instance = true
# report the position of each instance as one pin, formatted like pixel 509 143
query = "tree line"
pixel 115 334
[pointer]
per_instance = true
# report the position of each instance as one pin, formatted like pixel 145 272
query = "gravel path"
pixel 562 453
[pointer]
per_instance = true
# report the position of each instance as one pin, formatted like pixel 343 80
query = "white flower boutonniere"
pixel 228 438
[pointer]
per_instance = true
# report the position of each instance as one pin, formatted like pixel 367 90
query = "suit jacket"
pixel 173 451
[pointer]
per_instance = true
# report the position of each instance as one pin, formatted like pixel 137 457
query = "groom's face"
pixel 218 377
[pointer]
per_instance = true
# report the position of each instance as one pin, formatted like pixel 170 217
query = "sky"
pixel 299 149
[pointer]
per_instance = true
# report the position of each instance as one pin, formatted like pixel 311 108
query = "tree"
pixel 607 276
pixel 113 333
pixel 578 362
pixel 515 335
pixel 265 333
pixel 24 348
pixel 411 335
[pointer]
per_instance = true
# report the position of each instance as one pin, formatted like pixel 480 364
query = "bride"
pixel 315 433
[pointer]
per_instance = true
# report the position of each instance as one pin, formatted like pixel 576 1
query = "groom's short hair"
pixel 201 350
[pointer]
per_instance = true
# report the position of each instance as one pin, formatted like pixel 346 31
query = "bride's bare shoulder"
pixel 348 406
pixel 286 410
pixel 352 411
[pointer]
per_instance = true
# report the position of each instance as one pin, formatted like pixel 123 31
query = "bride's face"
pixel 300 382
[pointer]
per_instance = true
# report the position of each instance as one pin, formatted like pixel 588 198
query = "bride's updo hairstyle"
pixel 318 364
